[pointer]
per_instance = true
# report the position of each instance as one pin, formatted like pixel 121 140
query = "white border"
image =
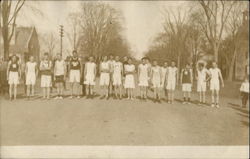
pixel 127 152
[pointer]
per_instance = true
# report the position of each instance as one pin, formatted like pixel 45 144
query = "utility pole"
pixel 61 36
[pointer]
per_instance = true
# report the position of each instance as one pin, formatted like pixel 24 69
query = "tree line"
pixel 211 28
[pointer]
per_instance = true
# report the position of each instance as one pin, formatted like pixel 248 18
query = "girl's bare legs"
pixel 204 97
pixel 106 91
pixel 132 93
pixel 15 91
pixel 61 89
pixel 48 92
pixel 158 90
pixel 128 93
pixel 87 90
pixel 155 94
pixel 169 95
pixel 217 98
pixel 10 91
pixel 213 98
pixel 200 95
pixel 32 90
pixel 28 91
pixel 91 90
pixel 44 92
pixel 188 97
pixel 142 92
pixel 172 96
pixel 120 91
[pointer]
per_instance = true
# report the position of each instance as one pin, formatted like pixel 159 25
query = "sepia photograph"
pixel 124 79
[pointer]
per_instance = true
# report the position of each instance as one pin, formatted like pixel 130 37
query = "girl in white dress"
pixel 129 79
pixel 90 75
pixel 202 74
pixel 215 78
pixel 117 77
pixel 143 77
pixel 156 80
pixel 104 77
pixel 164 70
pixel 31 72
pixel 172 74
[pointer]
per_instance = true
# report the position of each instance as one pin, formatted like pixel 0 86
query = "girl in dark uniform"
pixel 187 81
pixel 13 76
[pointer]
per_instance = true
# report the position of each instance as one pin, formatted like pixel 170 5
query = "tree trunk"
pixel 6 46
pixel 216 50
pixel 178 65
pixel 231 67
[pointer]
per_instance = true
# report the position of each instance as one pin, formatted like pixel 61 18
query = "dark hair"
pixel 201 64
pixel 46 54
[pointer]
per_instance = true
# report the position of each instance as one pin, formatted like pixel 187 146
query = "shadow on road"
pixel 242 112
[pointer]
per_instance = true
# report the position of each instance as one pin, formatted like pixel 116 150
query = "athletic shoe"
pixel 217 106
pixel 60 97
pixel 71 97
pixel 212 105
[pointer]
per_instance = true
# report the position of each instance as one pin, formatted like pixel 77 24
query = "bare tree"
pixel 175 26
pixel 100 24
pixel 9 12
pixel 74 31
pixel 214 16
pixel 49 43
pixel 233 26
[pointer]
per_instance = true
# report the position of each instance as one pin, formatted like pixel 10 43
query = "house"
pixel 25 43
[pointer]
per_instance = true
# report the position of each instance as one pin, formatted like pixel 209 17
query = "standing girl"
pixel 143 77
pixel 172 74
pixel 215 78
pixel 156 81
pixel 105 77
pixel 187 82
pixel 31 73
pixel 129 79
pixel 90 75
pixel 13 76
pixel 202 73
pixel 117 77
pixel 46 79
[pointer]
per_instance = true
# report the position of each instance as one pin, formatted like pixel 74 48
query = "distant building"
pixel 24 43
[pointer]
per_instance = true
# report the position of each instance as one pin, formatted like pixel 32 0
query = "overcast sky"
pixel 143 19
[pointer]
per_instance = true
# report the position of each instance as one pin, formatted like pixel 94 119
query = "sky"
pixel 142 19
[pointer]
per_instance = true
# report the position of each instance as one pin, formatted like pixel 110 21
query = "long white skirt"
pixel 129 81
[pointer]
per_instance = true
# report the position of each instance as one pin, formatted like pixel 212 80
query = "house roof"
pixel 22 37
